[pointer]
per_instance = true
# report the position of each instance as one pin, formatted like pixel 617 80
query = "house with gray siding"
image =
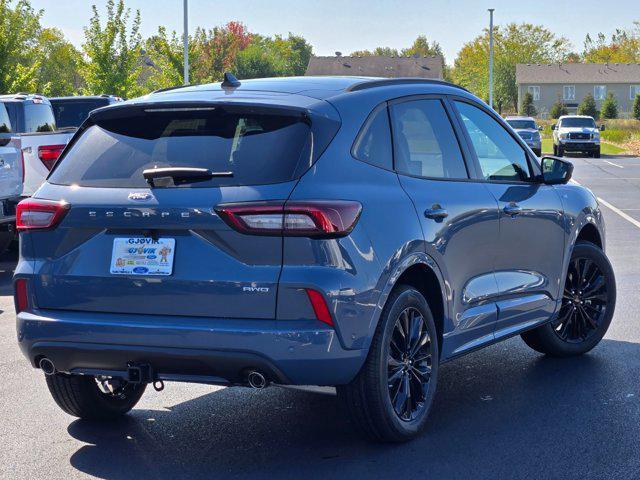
pixel 377 66
pixel 570 82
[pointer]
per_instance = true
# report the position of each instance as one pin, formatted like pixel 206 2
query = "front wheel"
pixel 596 153
pixel 94 398
pixel 390 399
pixel 588 303
pixel 559 151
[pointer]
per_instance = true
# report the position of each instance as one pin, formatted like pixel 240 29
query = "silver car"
pixel 528 130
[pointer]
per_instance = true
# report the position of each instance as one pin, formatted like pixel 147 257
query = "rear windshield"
pixel 257 148
pixel 38 117
pixel 73 113
pixel 578 122
pixel 522 124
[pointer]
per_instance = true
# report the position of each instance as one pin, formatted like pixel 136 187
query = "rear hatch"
pixel 125 246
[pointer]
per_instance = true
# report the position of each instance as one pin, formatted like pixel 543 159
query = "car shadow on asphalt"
pixel 501 413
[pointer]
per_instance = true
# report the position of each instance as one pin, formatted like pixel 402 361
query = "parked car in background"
pixel 528 130
pixel 72 111
pixel 33 122
pixel 11 172
pixel 338 231
pixel 576 133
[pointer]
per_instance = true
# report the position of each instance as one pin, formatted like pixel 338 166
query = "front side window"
pixel 534 90
pixel 5 123
pixel 569 92
pixel 500 156
pixel 599 92
pixel 38 117
pixel 425 144
pixel 374 143
pixel 634 91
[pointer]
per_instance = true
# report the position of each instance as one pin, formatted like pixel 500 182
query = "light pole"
pixel 490 56
pixel 185 40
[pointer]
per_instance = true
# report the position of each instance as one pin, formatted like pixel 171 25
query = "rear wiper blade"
pixel 180 175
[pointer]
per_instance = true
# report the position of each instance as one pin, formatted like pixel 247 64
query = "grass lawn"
pixel 605 148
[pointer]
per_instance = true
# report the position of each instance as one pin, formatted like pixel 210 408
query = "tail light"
pixel 319 305
pixel 21 295
pixel 32 213
pixel 48 154
pixel 313 218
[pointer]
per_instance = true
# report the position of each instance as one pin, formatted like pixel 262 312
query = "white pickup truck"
pixel 32 122
pixel 11 174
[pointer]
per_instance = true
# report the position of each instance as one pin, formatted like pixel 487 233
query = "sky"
pixel 349 25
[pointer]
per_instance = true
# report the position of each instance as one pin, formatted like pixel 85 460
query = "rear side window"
pixel 499 155
pixel 424 141
pixel 5 123
pixel 73 113
pixel 374 143
pixel 257 148
pixel 38 117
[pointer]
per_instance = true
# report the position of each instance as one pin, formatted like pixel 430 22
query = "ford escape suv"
pixel 342 231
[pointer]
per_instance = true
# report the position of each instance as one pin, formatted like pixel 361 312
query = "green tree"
pixel 422 48
pixel 113 52
pixel 258 62
pixel 558 109
pixel 514 43
pixel 59 63
pixel 636 107
pixel 588 106
pixel 19 32
pixel 527 108
pixel 610 106
pixel 622 47
pixel 163 60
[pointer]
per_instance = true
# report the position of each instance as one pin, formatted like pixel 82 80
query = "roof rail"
pixel 385 82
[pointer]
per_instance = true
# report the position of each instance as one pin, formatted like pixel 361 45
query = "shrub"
pixel 636 107
pixel 588 106
pixel 527 108
pixel 610 106
pixel 558 109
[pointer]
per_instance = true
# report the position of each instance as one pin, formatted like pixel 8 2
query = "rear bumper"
pixel 188 348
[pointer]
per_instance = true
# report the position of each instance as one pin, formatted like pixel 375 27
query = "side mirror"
pixel 553 127
pixel 602 127
pixel 556 171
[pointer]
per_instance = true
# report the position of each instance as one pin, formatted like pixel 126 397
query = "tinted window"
pixel 424 141
pixel 5 123
pixel 257 148
pixel 38 117
pixel 522 124
pixel 73 113
pixel 374 143
pixel 499 155
pixel 578 122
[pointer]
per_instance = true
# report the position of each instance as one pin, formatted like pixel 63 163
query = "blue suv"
pixel 343 231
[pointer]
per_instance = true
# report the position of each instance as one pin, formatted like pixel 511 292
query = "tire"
pixel 596 153
pixel 577 333
pixel 559 151
pixel 80 396
pixel 555 150
pixel 368 398
pixel 6 239
pixel 537 152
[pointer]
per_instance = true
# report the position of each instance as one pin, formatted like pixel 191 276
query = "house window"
pixel 599 92
pixel 634 90
pixel 534 90
pixel 569 92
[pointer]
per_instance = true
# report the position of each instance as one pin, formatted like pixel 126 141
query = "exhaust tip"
pixel 47 366
pixel 256 380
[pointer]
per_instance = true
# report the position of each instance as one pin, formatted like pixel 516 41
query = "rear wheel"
pixel 94 398
pixel 588 303
pixel 390 399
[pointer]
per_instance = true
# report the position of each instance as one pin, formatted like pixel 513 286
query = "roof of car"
pixel 515 117
pixel 319 87
pixel 575 116
pixel 24 97
pixel 85 97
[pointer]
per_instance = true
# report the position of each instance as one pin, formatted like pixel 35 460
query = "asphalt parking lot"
pixel 504 412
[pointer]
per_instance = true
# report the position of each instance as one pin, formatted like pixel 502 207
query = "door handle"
pixel 436 212
pixel 512 209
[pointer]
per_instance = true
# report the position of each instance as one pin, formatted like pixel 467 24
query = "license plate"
pixel 142 256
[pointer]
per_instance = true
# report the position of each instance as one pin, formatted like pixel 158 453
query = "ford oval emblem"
pixel 140 196
pixel 140 270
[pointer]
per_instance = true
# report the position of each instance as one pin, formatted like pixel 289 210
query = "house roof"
pixel 377 66
pixel 578 73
